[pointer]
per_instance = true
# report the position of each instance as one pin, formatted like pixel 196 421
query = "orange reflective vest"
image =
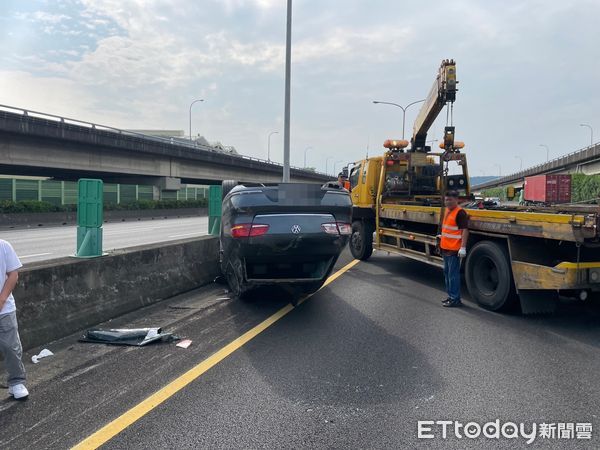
pixel 451 234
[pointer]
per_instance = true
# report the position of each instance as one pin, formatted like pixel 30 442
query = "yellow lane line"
pixel 131 416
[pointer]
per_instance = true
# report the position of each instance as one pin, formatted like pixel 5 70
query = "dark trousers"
pixel 452 276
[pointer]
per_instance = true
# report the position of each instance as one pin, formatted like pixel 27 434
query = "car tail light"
pixel 243 230
pixel 345 228
pixel 330 228
pixel 258 229
pixel 337 228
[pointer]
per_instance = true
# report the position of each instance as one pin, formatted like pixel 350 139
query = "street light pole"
pixel 591 132
pixel 521 159
pixel 547 151
pixel 403 108
pixel 327 164
pixel 192 104
pixel 499 169
pixel 305 150
pixel 335 165
pixel 288 69
pixel 269 145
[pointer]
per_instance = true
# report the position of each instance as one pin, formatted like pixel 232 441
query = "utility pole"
pixel 286 120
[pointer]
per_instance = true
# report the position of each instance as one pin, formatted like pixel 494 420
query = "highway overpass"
pixel 585 160
pixel 33 143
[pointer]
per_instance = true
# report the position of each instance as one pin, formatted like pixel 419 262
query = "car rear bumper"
pixel 297 259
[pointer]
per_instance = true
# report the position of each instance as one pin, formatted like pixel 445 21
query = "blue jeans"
pixel 452 276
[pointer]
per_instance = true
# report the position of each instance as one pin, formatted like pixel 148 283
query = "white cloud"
pixel 147 59
pixel 42 16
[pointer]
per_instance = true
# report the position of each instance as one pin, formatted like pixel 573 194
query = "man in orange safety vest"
pixel 453 246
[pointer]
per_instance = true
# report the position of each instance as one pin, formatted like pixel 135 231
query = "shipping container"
pixel 548 189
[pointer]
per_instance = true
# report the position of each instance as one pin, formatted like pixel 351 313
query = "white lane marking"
pixel 33 256
pixel 185 234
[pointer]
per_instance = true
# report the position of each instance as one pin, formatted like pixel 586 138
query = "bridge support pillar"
pixel 169 183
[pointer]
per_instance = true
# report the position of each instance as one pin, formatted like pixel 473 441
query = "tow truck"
pixel 516 255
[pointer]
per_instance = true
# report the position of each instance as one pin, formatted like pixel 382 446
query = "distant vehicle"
pixel 547 189
pixel 492 201
pixel 288 234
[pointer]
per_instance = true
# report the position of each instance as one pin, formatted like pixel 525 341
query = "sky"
pixel 528 71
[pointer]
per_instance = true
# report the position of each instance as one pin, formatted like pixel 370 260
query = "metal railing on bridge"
pixel 164 140
pixel 577 157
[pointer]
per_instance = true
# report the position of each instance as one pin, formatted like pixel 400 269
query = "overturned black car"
pixel 288 234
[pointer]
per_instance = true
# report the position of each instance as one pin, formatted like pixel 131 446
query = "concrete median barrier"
pixel 58 297
pixel 23 220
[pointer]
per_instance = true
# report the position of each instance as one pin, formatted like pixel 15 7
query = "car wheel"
pixel 235 283
pixel 227 186
pixel 489 276
pixel 361 240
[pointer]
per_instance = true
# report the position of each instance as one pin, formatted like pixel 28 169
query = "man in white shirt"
pixel 10 343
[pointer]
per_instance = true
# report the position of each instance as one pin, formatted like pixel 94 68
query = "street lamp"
pixel 499 169
pixel 327 164
pixel 591 132
pixel 547 151
pixel 335 165
pixel 269 144
pixel 305 150
pixel 520 159
pixel 192 104
pixel 403 108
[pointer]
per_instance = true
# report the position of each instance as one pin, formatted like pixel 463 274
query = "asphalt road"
pixel 38 244
pixel 355 366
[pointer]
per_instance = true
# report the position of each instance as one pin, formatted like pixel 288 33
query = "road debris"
pixel 43 354
pixel 185 343
pixel 137 337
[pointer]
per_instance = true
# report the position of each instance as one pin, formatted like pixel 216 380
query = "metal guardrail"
pixel 575 157
pixel 164 140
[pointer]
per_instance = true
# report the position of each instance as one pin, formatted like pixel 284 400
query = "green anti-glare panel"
pixel 70 193
pixel 89 203
pixel 214 201
pixel 89 242
pixel 6 189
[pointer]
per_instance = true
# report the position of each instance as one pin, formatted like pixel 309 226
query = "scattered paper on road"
pixel 185 343
pixel 43 354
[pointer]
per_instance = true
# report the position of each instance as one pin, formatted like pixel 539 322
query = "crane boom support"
pixel 442 92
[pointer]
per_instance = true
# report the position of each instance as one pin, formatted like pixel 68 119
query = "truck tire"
pixel 489 276
pixel 361 240
pixel 227 186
